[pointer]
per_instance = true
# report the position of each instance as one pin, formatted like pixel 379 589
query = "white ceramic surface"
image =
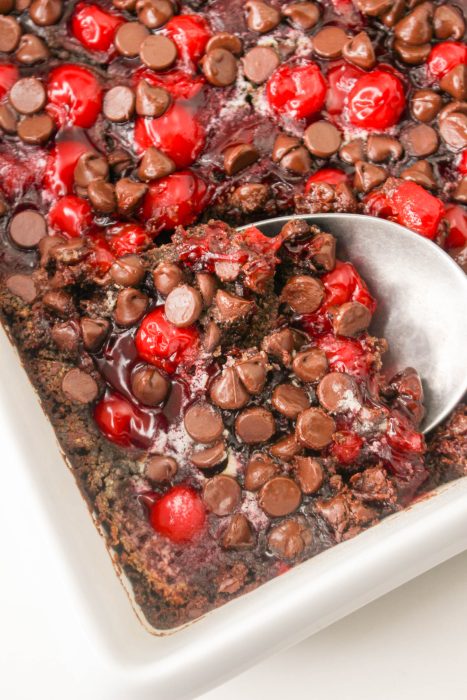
pixel 129 662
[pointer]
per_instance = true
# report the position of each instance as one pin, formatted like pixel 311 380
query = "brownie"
pixel 217 394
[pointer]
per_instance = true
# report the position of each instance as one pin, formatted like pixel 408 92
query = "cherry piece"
pixel 463 162
pixel 341 80
pixel 8 77
pixel 296 91
pixel 75 96
pixel 176 133
pixel 446 56
pixel 124 239
pixel 161 343
pixel 93 27
pixel 122 422
pixel 332 176
pixel 346 447
pixel 376 101
pixel 101 257
pixel 344 355
pixel 190 33
pixel 402 437
pixel 61 163
pixel 176 82
pixel 175 200
pixel 418 209
pixel 71 216
pixel 457 219
pixel 344 284
pixel 179 514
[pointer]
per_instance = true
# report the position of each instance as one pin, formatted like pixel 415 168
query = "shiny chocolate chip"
pixel 448 22
pixel 90 167
pixel 314 428
pixel 352 151
pixel 359 51
pixel 455 82
pixel 224 40
pixel 28 96
pixel 297 161
pixel 337 392
pixel 203 422
pixel 368 176
pixel 416 28
pixel 259 63
pixel 130 195
pixel 158 52
pixel 381 148
pixel 183 306
pixel 283 145
pixel 324 251
pixel 303 15
pixel 22 286
pixel 219 67
pixel 280 344
pixel 252 374
pixel 322 139
pixel 259 469
pixel 102 196
pixel 227 391
pixel 94 332
pixel 151 101
pixel 303 294
pixel 160 468
pixel 238 534
pixel 453 130
pixel 129 37
pixel 329 42
pixel 27 228
pixel 289 539
pixel 286 448
pixel 154 165
pixel 149 386
pixel 207 286
pixel 413 55
pixel 154 13
pixel 127 271
pixel 10 33
pixel 119 103
pixel 58 302
pixel 79 386
pixel 255 425
pixel 239 157
pixel 420 172
pixel 8 118
pixel 222 494
pixel 36 129
pixel 130 307
pixel 45 12
pixel 351 319
pixel 419 140
pixel 230 307
pixel 31 50
pixel 279 496
pixel 289 400
pixel 166 277
pixel 65 336
pixel 209 457
pixel 261 17
pixel 309 474
pixel 212 337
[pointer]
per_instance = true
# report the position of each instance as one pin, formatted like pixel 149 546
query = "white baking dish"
pixel 138 665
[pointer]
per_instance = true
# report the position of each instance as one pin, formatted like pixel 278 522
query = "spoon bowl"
pixel 422 301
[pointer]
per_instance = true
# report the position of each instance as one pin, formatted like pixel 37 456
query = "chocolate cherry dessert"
pixel 218 393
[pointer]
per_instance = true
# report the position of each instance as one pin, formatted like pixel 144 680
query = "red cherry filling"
pixel 19 174
pixel 446 56
pixel 457 219
pixel 179 514
pixel 93 27
pixel 75 95
pixel 190 33
pixel 101 257
pixel 8 77
pixel 175 200
pixel 126 238
pixel 332 176
pixel 376 101
pixel 463 163
pixel 296 91
pixel 71 215
pixel 122 422
pixel 341 80
pixel 402 438
pixel 176 133
pixel 177 82
pixel 163 344
pixel 345 354
pixel 61 163
pixel 346 446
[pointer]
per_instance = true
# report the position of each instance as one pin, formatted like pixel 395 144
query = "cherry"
pixel 122 422
pixel 177 133
pixel 402 437
pixel 93 27
pixel 345 354
pixel 8 76
pixel 101 256
pixel 175 200
pixel 177 82
pixel 126 238
pixel 61 163
pixel 71 215
pixel 190 33
pixel 346 446
pixel 75 95
pixel 162 344
pixel 179 514
pixel 296 91
pixel 376 101
pixel 341 80
pixel 19 174
pixel 446 56
pixel 457 219
pixel 463 162
pixel 344 284
pixel 332 176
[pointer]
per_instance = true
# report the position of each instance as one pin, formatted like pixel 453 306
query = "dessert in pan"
pixel 217 393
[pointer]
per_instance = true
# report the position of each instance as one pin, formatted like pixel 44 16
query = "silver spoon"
pixel 422 301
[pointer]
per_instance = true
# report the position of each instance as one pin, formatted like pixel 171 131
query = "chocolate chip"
pixel 166 277
pixel 416 28
pixel 230 307
pixel 127 271
pixel 453 130
pixel 420 172
pixel 160 468
pixel 279 496
pixel 154 165
pixel 448 22
pixel 324 251
pixel 28 96
pixel 455 82
pixel 94 332
pixel 289 539
pixel 381 148
pixel 47 247
pixel 329 42
pixel 322 139
pixel 309 474
pixel 289 400
pixel 220 67
pixel 374 8
pixel 130 307
pixel 102 196
pixel 337 392
pixel 413 55
pixel 283 145
pixel 224 40
pixel 212 337
pixel 255 425
pixel 119 104
pixel 351 319
pixel 259 63
pixel 90 167
pixel 303 15
pixel 119 160
pixel 239 157
pixel 368 176
pixel 45 12
pixel 227 391
pixel 158 52
pixel 303 294
pixel 151 101
pixel 261 17
pixel 420 140
pixel 27 228
pixel 394 14
pixel 36 129
pixel 222 494
pixel 10 33
pixel 209 457
pixel 129 37
pixel 251 197
pixel 183 306
pixel 59 302
pixel 352 151
pixel 252 374
pixel 6 6
pixel 65 336
pixel 238 534
pixel 460 193
pixel 23 287
pixel 298 161
pixel 360 51
pixel 295 229
pixel 154 13
pixel 280 344
pixel 286 448
pixel 8 118
pixel 130 195
pixel 203 423
pixel 79 386
pixel 149 386
pixel 314 428
pixel 258 471
pixel 207 286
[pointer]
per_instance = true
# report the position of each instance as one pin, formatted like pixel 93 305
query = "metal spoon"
pixel 422 301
